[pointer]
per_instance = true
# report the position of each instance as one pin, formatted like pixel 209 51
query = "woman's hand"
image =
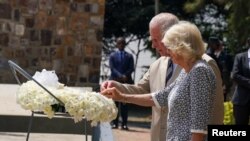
pixel 114 94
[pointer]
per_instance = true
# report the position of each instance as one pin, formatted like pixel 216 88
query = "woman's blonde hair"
pixel 184 39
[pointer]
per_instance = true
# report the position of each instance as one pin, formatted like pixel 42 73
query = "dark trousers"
pixel 123 111
pixel 241 114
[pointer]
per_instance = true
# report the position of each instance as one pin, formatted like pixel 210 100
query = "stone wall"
pixel 60 35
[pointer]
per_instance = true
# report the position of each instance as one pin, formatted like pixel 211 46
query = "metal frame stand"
pixel 15 68
pixel 30 125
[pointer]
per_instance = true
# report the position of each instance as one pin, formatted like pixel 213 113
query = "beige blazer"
pixel 154 80
pixel 218 107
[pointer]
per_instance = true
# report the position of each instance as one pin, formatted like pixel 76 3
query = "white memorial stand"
pixel 106 132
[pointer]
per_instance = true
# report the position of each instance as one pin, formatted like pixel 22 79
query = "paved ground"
pixel 13 136
pixel 134 134
pixel 139 126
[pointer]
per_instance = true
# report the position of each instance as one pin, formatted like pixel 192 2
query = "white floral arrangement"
pixel 90 105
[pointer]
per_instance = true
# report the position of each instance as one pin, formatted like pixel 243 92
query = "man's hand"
pixel 113 93
pixel 107 84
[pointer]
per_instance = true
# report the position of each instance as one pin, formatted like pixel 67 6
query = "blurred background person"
pixel 224 61
pixel 241 97
pixel 121 66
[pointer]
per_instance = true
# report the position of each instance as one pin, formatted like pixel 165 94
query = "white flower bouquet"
pixel 91 105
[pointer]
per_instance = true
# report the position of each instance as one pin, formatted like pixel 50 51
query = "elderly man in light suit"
pixel 154 78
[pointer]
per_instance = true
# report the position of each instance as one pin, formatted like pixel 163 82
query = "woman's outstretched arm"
pixel 138 99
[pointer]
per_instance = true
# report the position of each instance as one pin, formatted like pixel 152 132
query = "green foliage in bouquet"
pixel 228 113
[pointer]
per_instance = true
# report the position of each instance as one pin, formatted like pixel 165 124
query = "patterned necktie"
pixel 170 70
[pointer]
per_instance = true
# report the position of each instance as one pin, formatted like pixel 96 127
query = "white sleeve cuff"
pixel 155 100
pixel 199 131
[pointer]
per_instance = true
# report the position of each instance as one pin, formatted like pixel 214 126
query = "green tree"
pixel 127 18
pixel 237 13
pixel 239 22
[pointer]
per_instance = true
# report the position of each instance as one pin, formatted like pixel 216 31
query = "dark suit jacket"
pixel 121 67
pixel 241 75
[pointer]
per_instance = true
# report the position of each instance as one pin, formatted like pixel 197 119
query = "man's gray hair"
pixel 164 21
